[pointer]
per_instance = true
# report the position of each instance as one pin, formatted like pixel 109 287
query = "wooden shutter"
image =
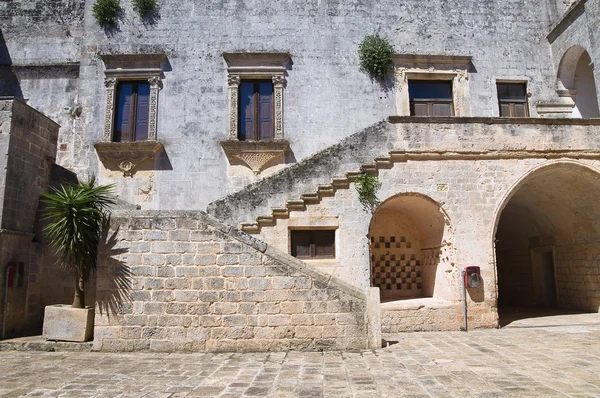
pixel 505 110
pixel 142 112
pixel 247 111
pixel 265 111
pixel 519 110
pixel 123 118
pixel 420 109
pixel 301 242
pixel 324 242
pixel 441 109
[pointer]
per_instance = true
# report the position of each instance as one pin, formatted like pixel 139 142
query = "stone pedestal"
pixel 65 323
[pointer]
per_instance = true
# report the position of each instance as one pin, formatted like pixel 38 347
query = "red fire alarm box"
pixel 472 277
pixel 15 274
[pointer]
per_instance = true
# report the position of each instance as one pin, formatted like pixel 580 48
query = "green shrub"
pixel 144 8
pixel 107 12
pixel 375 54
pixel 367 186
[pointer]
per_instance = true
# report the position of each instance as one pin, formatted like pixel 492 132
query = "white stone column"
pixel 109 117
pixel 234 85
pixel 155 85
pixel 278 82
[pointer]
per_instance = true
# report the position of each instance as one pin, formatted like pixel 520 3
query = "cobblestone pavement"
pixel 526 361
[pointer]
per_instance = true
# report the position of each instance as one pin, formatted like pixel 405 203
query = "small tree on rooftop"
pixel 76 214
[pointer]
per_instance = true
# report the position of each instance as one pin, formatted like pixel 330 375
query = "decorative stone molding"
pixel 132 67
pixel 127 156
pixel 255 154
pixel 255 66
pixel 433 67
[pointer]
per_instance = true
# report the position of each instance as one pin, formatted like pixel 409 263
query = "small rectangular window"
pixel 256 110
pixel 512 99
pixel 132 111
pixel 430 98
pixel 313 243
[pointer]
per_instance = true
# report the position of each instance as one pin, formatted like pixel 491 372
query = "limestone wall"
pixel 28 140
pixel 326 96
pixel 177 281
pixel 578 275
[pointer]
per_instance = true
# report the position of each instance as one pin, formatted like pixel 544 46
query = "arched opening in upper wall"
pixel 576 74
pixel 548 244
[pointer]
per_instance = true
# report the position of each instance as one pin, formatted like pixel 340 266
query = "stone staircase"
pixel 312 198
pixel 309 181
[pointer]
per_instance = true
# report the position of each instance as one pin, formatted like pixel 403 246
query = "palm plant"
pixel 76 214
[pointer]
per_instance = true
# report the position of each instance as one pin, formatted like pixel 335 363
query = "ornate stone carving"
pixel 127 156
pixel 132 67
pixel 233 80
pixel 278 110
pixel 111 85
pixel 255 154
pixel 278 80
pixel 233 111
pixel 256 66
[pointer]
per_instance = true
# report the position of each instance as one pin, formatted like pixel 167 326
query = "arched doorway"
pixel 548 242
pixel 410 250
pixel 576 75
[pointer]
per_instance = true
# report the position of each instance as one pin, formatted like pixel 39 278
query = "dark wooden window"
pixel 256 110
pixel 430 98
pixel 313 243
pixel 512 99
pixel 132 111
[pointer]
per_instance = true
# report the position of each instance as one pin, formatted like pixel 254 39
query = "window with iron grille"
pixel 430 98
pixel 316 244
pixel 512 99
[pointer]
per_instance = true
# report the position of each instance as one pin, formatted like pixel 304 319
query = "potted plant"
pixel 76 214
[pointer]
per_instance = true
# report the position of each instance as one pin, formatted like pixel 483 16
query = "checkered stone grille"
pixel 394 265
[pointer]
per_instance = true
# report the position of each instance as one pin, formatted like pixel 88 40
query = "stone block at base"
pixel 65 323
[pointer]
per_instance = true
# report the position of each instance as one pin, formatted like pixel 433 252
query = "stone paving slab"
pixel 520 362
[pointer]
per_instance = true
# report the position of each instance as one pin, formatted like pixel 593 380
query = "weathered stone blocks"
pixel 224 295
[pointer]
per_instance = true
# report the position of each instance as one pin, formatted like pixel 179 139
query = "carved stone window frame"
pixel 433 67
pixel 123 67
pixel 245 66
pixel 128 67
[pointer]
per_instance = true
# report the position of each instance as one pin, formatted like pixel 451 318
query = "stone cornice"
pixel 493 120
pixel 430 59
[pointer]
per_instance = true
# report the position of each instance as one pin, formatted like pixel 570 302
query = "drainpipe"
pixel 4 308
pixel 464 291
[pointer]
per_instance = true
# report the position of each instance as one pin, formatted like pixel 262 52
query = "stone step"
pixel 369 168
pixel 38 343
pixel 384 162
pixel 326 190
pixel 265 221
pixel 310 198
pixel 250 227
pixel 295 205
pixel 352 175
pixel 281 212
pixel 340 183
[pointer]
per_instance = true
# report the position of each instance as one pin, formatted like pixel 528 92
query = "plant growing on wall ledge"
pixel 375 55
pixel 367 186
pixel 145 8
pixel 75 216
pixel 107 12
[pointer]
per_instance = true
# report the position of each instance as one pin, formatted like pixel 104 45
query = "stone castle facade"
pixel 234 132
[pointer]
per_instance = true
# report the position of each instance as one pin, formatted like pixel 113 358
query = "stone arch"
pixel 547 239
pixel 410 248
pixel 576 78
